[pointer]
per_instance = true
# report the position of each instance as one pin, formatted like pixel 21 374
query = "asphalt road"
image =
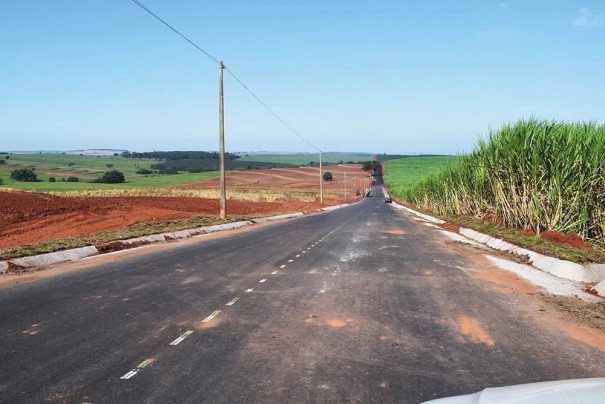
pixel 362 304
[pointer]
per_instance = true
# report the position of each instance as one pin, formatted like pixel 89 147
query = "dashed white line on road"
pixel 210 317
pixel 283 266
pixel 129 374
pixel 262 280
pixel 274 272
pixel 235 299
pixel 249 290
pixel 290 260
pixel 181 338
pixel 298 256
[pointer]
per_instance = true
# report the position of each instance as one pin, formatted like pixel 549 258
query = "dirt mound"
pixel 29 218
pixel 572 239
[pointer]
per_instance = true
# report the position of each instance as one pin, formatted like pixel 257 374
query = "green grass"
pixel 82 165
pixel 303 159
pixel 88 168
pixel 403 174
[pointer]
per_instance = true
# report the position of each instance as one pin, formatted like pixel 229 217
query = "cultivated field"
pixel 34 218
pixel 538 184
pixel 87 168
pixel 302 159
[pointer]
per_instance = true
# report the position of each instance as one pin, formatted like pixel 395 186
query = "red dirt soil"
pixel 29 218
pixel 299 179
pixel 572 239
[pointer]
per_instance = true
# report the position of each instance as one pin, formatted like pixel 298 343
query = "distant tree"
pixel 73 179
pixel 24 175
pixel 327 176
pixel 71 164
pixel 62 180
pixel 7 157
pixel 108 165
pixel 369 165
pixel 168 170
pixel 111 177
pixel 52 179
pixel 144 171
pixel 1 181
pixel 2 161
pixel 115 154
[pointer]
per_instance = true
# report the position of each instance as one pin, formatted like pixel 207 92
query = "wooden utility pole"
pixel 345 187
pixel 221 134
pixel 321 182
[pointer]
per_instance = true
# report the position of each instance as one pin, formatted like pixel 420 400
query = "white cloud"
pixel 586 18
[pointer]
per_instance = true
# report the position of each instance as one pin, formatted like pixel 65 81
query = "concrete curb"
pixel 330 208
pixel 42 260
pixel 557 267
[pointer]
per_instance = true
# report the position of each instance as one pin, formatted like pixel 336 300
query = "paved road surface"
pixel 362 304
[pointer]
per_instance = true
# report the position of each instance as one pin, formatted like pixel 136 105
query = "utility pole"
pixel 321 182
pixel 221 134
pixel 345 187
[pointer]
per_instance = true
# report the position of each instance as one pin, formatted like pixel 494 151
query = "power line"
pixel 137 2
pixel 272 112
pixel 176 31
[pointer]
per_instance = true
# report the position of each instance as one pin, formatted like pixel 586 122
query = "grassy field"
pixel 88 168
pixel 306 158
pixel 402 175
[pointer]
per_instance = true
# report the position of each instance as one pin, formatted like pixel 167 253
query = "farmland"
pixel 402 174
pixel 535 175
pixel 75 214
pixel 302 159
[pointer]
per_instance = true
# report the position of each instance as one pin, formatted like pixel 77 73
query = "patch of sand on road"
pixel 473 331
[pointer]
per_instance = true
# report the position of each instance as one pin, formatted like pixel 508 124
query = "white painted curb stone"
pixel 55 257
pixel 83 252
pixel 560 268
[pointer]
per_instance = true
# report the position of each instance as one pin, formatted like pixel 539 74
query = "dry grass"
pixel 254 195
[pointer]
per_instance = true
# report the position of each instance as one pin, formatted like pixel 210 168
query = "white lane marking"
pixel 249 290
pixel 210 317
pixel 262 280
pixel 274 272
pixel 181 338
pixel 283 266
pixel 290 260
pixel 235 299
pixel 129 374
pixel 309 248
pixel 304 252
pixel 298 256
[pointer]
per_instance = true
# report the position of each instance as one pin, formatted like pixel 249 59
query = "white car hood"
pixel 559 392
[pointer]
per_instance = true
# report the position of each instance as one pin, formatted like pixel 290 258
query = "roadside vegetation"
pixel 533 175
pixel 143 229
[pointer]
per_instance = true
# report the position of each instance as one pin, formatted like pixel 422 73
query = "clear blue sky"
pixel 396 76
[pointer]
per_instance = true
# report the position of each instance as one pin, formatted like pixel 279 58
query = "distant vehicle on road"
pixel 368 192
pixel 387 199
